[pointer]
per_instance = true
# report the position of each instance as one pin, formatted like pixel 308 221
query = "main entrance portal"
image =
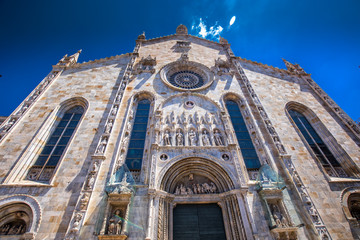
pixel 198 222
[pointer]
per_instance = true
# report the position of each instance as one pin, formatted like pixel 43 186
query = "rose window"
pixel 186 79
pixel 186 76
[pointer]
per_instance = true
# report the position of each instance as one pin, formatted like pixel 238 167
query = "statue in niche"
pixel 95 166
pixel 102 145
pixel 270 128
pixel 8 125
pixel 77 219
pixel 91 181
pixel 109 126
pixel 115 223
pixel 205 138
pixel 218 138
pixel 179 138
pixel 113 111
pixel 167 136
pixel 279 146
pixel 192 138
pixel 280 220
pixel 84 201
pixel 118 97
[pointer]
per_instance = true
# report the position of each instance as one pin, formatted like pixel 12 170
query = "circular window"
pixel 186 76
pixel 186 79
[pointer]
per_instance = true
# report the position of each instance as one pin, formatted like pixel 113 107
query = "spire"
pixel 75 56
pixel 294 68
pixel 67 61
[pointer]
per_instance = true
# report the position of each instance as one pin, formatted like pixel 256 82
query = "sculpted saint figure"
pixel 115 223
pixel 218 139
pixel 192 138
pixel 205 138
pixel 179 138
pixel 109 126
pixel 102 145
pixel 167 141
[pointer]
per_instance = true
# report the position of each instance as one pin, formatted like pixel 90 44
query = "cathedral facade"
pixel 179 139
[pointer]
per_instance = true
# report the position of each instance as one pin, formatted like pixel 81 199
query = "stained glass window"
pixel 246 145
pixel 137 140
pixel 54 148
pixel 319 148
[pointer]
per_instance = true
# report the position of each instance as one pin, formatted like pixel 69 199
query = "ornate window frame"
pixel 18 174
pixel 183 65
pixel 345 161
pixel 138 176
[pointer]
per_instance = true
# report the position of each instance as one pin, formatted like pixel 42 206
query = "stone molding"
pixel 79 214
pixel 34 206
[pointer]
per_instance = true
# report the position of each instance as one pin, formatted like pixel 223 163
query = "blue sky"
pixel 322 36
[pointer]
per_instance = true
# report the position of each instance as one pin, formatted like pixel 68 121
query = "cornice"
pixel 100 60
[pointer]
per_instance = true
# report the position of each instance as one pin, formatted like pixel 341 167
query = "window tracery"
pixel 138 135
pixel 317 145
pixel 44 166
pixel 246 145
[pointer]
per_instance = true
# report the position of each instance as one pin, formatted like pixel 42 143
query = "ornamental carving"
pixel 146 65
pixel 194 184
pixel 185 75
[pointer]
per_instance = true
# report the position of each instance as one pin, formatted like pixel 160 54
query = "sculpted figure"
pixel 76 223
pixel 213 187
pixel 95 166
pixel 206 139
pixel 189 191
pixel 182 190
pixel 83 201
pixel 270 128
pixel 192 138
pixel 8 125
pixel 167 141
pixel 218 138
pixel 109 126
pixel 206 187
pixel 102 146
pixel 115 223
pixel 195 190
pixel 177 190
pixel 91 181
pixel 113 111
pixel 278 217
pixel 179 138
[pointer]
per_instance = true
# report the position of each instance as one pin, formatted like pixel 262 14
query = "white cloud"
pixel 213 32
pixel 232 20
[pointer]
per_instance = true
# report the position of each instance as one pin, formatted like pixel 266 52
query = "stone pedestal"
pixel 112 237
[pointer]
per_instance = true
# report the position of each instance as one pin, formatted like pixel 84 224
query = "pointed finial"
pixel 223 40
pixel 142 36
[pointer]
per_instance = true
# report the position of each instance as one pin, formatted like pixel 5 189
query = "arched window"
pixel 45 165
pixel 354 205
pixel 246 145
pixel 137 140
pixel 321 151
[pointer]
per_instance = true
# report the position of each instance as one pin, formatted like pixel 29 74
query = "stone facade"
pixel 190 152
